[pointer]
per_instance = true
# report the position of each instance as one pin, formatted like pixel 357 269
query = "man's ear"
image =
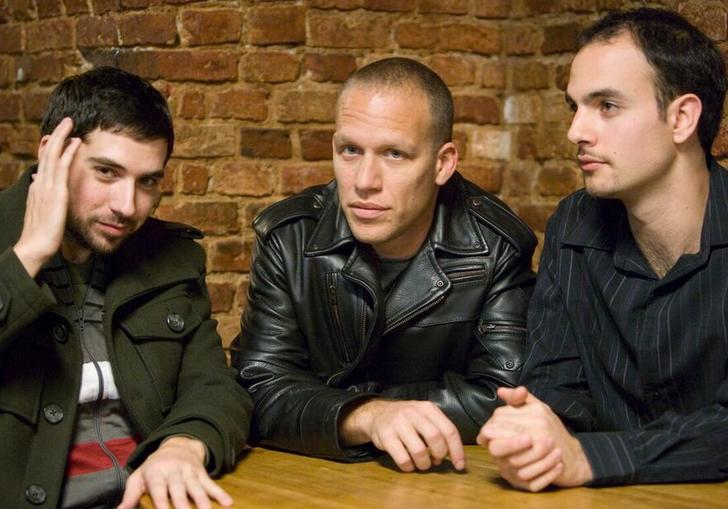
pixel 42 145
pixel 447 162
pixel 684 114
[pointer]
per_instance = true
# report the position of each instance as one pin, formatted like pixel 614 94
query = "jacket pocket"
pixel 158 330
pixel 505 342
pixel 21 382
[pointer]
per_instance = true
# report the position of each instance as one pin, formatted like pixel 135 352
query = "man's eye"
pixel 609 107
pixel 105 172
pixel 149 182
pixel 349 150
pixel 396 154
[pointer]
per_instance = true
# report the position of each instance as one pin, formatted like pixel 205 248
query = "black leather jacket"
pixel 318 334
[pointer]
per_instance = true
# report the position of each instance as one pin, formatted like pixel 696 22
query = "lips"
pixel 114 229
pixel 366 210
pixel 589 163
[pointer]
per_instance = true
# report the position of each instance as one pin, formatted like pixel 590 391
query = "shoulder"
pixel 308 204
pixel 492 212
pixel 159 239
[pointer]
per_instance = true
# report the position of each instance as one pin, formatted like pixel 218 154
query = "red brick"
pixel 277 24
pixel 24 140
pixel 238 178
pixel 74 7
pixel 241 294
pixel 485 40
pixel 523 39
pixel 49 8
pixel 486 174
pixel 43 68
pixel 547 141
pixel 558 179
pixel 148 28
pixel 95 31
pixel 23 9
pixel 493 75
pixel 534 7
pixel 720 144
pixel 453 69
pixel 555 108
pixel 329 67
pixel 390 5
pixel 105 6
pixel 193 178
pixel 559 38
pixel 581 5
pixel 491 143
pixel 562 76
pixel 351 31
pixel 337 4
pixel 221 296
pixel 11 38
pixel 210 217
pixel 192 105
pixel 200 27
pixel 530 75
pixel 460 139
pixel 296 178
pixel 711 17
pixel 10 107
pixel 5 14
pixel 210 140
pixel 242 103
pixel 536 216
pixel 6 133
pixel 522 109
pixel 415 35
pixel 444 6
pixel 167 184
pixel 265 143
pixel 520 176
pixel 476 109
pixel 492 8
pixel 49 35
pixel 34 105
pixel 270 67
pixel 182 65
pixel 316 144
pixel 7 74
pixel 308 106
pixel 229 254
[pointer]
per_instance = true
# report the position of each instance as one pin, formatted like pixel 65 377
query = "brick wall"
pixel 252 85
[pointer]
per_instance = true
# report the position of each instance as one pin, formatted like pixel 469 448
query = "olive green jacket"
pixel 170 373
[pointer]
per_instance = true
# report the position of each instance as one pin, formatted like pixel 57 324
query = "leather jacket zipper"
pixel 487 328
pixel 413 314
pixel 335 311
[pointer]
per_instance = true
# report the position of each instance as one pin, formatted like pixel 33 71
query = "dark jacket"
pixel 318 334
pixel 171 376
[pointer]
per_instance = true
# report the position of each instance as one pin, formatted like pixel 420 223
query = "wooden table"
pixel 271 479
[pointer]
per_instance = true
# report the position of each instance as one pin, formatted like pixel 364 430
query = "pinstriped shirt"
pixel 636 366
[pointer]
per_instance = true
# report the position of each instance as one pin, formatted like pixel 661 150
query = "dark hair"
pixel 112 100
pixel 400 72
pixel 683 58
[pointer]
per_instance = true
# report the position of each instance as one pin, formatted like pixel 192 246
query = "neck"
pixel 74 252
pixel 667 222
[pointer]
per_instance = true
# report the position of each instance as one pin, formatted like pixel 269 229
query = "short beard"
pixel 79 232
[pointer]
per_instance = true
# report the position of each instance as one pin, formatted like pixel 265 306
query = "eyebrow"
pixel 597 94
pixel 104 161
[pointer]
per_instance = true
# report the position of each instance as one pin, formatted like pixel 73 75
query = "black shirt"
pixel 634 365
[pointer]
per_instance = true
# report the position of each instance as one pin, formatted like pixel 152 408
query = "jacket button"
pixel 175 322
pixel 60 332
pixel 439 283
pixel 35 494
pixel 510 364
pixel 53 413
pixel 477 202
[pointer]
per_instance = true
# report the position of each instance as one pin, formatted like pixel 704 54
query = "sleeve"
pixel 22 300
pixel 209 404
pixel 294 409
pixel 497 349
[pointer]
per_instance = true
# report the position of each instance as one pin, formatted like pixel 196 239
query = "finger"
pixel 178 493
pixel 55 144
pixel 158 492
pixel 133 491
pixel 433 437
pixel 413 443
pixel 513 396
pixel 539 450
pixel 215 491
pixel 546 479
pixel 392 444
pixel 195 491
pixel 538 468
pixel 501 447
pixel 447 436
pixel 492 431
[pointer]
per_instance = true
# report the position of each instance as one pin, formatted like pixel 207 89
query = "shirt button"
pixel 53 413
pixel 35 494
pixel 175 322
pixel 60 332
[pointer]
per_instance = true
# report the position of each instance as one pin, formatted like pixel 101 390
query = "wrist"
pixel 31 262
pixel 356 423
pixel 191 444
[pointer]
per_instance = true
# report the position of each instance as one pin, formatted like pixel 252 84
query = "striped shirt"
pixel 103 437
pixel 636 366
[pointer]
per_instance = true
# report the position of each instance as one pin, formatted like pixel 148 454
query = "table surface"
pixel 265 478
